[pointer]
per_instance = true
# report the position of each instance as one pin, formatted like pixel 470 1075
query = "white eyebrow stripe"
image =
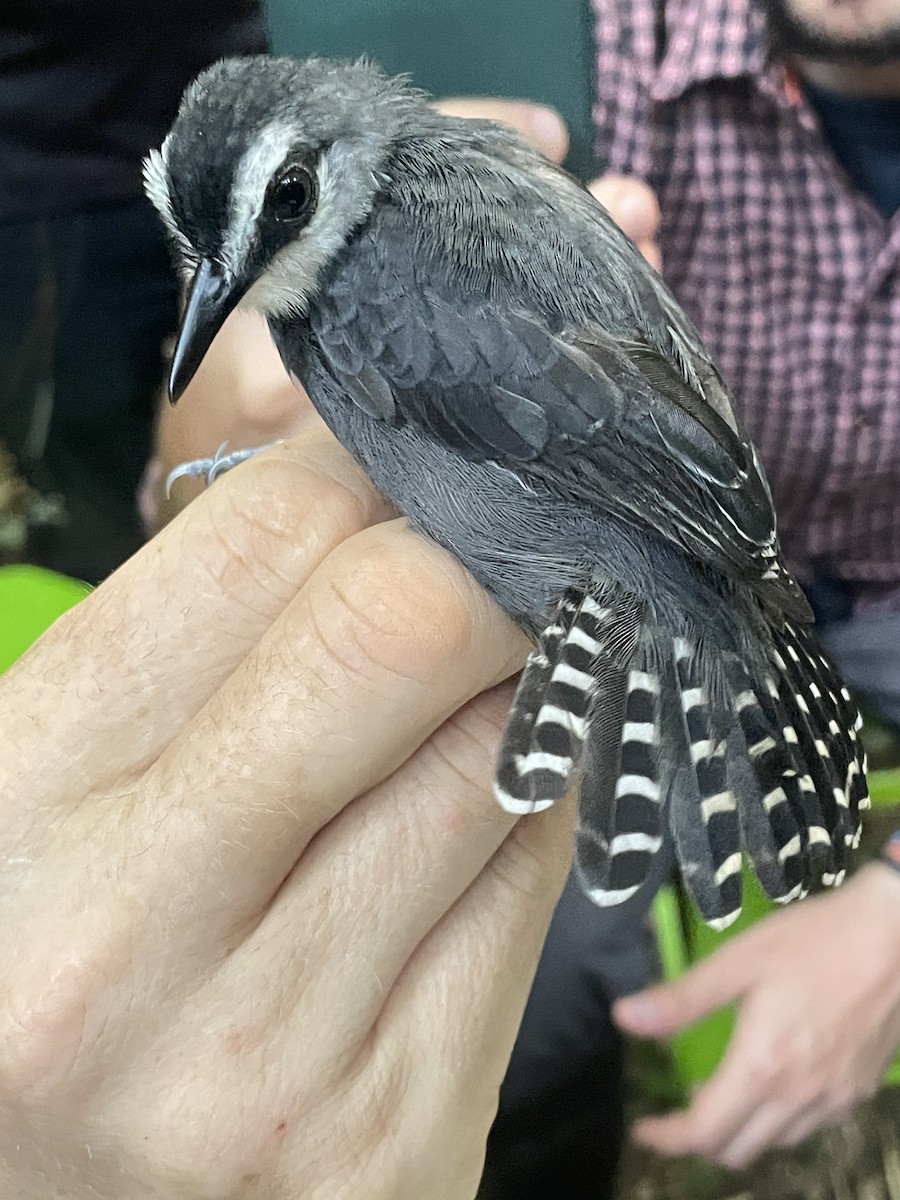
pixel 156 188
pixel 156 182
pixel 248 191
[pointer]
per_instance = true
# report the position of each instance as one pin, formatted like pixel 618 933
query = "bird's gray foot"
pixel 213 467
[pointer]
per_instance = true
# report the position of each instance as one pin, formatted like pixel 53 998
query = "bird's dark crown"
pixel 231 105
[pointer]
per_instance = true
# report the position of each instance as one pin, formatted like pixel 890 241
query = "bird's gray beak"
pixel 209 302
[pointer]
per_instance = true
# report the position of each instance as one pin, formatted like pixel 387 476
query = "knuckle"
pixel 611 190
pixel 183 1161
pixel 867 1088
pixel 272 518
pixel 795 1137
pixel 199 1127
pixel 29 1047
pixel 392 603
pixel 700 1138
pixel 384 1091
pixel 278 498
pixel 49 1018
pixel 463 780
pixel 521 869
pixel 631 203
pixel 364 1102
pixel 843 1095
pixel 468 742
pixel 790 1054
pixel 733 1160
pixel 765 1072
pixel 649 198
pixel 607 192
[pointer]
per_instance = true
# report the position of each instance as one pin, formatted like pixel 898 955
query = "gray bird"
pixel 508 370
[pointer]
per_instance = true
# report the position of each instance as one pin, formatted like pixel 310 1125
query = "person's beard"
pixel 796 34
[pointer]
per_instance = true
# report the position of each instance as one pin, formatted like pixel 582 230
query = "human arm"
pixel 818 994
pixel 264 930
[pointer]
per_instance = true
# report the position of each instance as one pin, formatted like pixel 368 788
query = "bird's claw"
pixel 213 467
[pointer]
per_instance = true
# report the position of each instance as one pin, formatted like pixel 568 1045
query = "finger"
pixel 630 202
pixel 799 1128
pixel 652 253
pixel 719 1108
pixel 712 983
pixel 694 1131
pixel 149 647
pixel 389 637
pixel 244 365
pixel 381 876
pixel 433 1063
pixel 765 1129
pixel 537 123
pixel 468 982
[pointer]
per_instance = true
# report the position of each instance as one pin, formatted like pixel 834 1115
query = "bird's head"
pixel 270 166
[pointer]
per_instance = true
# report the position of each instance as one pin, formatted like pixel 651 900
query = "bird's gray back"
pixel 448 324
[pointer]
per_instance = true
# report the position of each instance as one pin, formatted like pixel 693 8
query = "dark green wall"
pixel 533 49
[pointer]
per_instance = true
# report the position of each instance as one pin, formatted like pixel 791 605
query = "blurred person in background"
pixel 87 292
pixel 770 132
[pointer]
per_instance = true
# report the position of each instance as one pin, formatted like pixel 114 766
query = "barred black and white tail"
pixel 557 699
pixel 674 746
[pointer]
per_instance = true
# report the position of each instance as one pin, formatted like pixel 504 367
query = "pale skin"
pixel 265 932
pixel 818 986
pixel 818 992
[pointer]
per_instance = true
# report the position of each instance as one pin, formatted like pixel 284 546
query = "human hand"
pixel 634 208
pixel 265 933
pixel 818 988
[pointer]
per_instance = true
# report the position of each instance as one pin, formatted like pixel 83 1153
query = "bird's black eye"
pixel 291 196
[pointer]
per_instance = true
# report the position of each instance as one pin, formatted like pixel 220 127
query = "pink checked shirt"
pixel 790 273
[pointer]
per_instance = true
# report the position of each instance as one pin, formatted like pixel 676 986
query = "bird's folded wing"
pixel 609 422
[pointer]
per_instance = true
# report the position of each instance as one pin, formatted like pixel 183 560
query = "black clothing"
pixel 88 86
pixel 88 296
pixel 863 134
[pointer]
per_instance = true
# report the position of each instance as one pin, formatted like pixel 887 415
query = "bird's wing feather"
pixel 604 420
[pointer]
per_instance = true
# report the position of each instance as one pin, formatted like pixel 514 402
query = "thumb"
pixel 537 123
pixel 713 983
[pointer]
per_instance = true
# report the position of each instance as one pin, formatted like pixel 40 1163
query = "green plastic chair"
pixel 30 601
pixel 684 940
